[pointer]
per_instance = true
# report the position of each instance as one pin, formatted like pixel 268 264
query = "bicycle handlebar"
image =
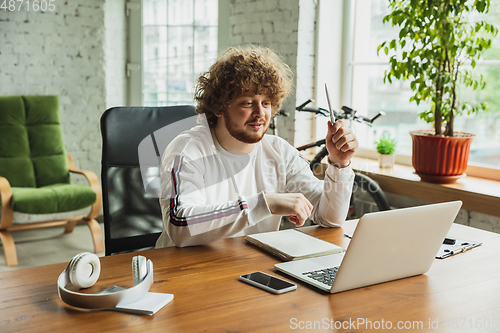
pixel 320 111
pixel 348 113
pixel 282 113
pixel 318 143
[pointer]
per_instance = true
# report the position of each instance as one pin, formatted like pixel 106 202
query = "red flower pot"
pixel 440 159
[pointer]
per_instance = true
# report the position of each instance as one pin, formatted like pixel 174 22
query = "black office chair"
pixel 132 217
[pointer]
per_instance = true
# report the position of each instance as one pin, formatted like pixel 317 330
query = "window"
pixel 179 42
pixel 369 94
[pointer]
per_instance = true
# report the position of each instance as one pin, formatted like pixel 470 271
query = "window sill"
pixel 472 170
pixel 478 194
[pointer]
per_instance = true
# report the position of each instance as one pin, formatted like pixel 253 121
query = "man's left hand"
pixel 341 144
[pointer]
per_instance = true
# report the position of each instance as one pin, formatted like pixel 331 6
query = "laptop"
pixel 385 246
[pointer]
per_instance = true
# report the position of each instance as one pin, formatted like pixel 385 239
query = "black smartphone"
pixel 268 282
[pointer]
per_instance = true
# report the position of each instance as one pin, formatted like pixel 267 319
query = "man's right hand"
pixel 294 204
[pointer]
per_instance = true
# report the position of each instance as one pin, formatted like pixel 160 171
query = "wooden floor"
pixel 49 246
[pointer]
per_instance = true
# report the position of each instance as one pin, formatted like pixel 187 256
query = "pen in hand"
pixel 332 116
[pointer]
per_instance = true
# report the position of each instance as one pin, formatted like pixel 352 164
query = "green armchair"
pixel 35 187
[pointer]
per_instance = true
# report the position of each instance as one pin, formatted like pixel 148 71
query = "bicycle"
pixel 365 190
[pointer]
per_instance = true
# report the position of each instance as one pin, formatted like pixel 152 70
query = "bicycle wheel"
pixel 367 197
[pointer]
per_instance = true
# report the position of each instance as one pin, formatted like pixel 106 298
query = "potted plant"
pixel 437 49
pixel 386 148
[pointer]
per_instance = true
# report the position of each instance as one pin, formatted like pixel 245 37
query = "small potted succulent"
pixel 386 147
pixel 436 50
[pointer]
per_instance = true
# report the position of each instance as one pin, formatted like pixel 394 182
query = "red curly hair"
pixel 239 70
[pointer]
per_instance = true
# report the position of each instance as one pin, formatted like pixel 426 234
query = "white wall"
pixel 115 50
pixel 364 205
pixel 305 71
pixel 465 217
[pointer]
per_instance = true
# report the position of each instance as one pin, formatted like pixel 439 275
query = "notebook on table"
pixel 292 244
pixel 385 246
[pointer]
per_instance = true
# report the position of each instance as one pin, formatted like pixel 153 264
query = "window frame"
pixel 135 49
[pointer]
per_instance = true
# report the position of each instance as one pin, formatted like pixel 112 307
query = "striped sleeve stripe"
pixel 305 159
pixel 177 220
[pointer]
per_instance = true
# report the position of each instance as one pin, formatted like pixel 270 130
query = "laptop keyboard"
pixel 326 275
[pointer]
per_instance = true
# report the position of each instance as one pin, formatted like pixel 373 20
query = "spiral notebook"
pixel 292 244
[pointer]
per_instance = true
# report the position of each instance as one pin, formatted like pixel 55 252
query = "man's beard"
pixel 242 135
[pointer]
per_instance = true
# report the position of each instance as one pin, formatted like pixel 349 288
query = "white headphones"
pixel 83 271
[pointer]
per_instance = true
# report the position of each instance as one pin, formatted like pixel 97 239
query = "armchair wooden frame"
pixel 7 227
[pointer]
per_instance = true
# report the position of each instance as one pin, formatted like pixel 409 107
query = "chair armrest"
pixel 6 197
pixel 94 184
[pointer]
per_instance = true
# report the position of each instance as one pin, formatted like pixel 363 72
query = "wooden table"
pixel 460 293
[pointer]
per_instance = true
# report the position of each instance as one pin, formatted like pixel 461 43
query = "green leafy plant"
pixel 386 145
pixel 436 43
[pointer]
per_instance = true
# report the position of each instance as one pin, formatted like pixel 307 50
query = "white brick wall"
pixel 465 217
pixel 364 204
pixel 63 53
pixel 305 84
pixel 115 50
pixel 275 24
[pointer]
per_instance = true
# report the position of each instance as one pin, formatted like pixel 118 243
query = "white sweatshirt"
pixel 209 193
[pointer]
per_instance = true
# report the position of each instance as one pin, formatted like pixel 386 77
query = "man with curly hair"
pixel 225 177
